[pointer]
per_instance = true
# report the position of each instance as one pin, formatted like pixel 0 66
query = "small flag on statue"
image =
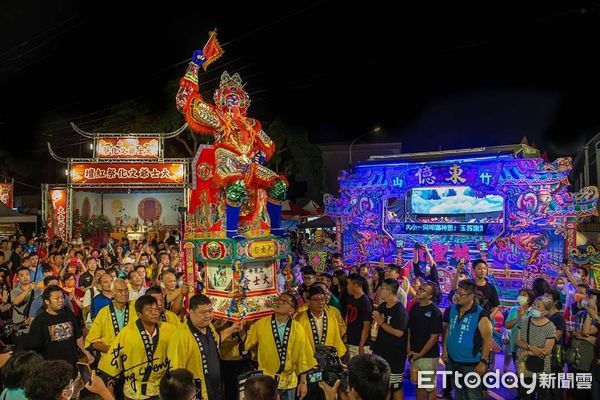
pixel 212 49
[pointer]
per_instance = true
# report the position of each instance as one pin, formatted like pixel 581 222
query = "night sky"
pixel 451 75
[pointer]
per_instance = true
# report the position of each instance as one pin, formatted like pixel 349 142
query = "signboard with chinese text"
pixel 456 174
pixel 58 218
pixel 262 248
pixel 447 229
pixel 147 173
pixel 6 194
pixel 260 276
pixel 127 148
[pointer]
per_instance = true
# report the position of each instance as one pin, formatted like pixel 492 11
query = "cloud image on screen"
pixel 454 200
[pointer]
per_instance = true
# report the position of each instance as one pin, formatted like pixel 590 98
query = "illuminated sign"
pixel 442 229
pixel 148 173
pixel 127 148
pixel 58 223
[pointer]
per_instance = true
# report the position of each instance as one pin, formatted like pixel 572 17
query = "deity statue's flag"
pixel 212 49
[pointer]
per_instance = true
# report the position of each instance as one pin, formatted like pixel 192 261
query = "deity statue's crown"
pixel 234 80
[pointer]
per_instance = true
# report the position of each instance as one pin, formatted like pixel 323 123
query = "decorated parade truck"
pixel 503 204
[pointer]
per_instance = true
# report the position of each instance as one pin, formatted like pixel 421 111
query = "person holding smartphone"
pixel 430 273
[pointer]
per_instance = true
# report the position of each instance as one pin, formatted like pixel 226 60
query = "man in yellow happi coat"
pixel 330 309
pixel 283 348
pixel 165 315
pixel 111 320
pixel 139 352
pixel 318 322
pixel 195 347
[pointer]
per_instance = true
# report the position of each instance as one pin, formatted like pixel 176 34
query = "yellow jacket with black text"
pixel 127 356
pixel 333 337
pixel 183 352
pixel 102 329
pixel 300 357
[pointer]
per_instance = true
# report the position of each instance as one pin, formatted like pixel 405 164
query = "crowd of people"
pixel 124 309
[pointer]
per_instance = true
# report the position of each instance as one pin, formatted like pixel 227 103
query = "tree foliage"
pixel 296 154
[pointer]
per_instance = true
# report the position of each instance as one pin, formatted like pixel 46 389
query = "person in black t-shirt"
pixel 487 297
pixel 392 320
pixel 485 290
pixel 87 278
pixel 424 328
pixel 55 333
pixel 358 316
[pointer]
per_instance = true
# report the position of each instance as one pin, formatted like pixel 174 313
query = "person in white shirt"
pixel 136 285
pixel 394 271
pixel 89 295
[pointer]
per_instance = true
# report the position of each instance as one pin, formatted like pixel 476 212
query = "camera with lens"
pixel 331 366
pixel 9 329
pixel 418 246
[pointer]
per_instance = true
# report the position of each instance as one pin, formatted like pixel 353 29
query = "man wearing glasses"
pixel 195 346
pixel 468 339
pixel 320 325
pixel 424 328
pixel 284 351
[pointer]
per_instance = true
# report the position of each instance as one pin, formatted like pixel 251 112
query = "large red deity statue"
pixel 241 146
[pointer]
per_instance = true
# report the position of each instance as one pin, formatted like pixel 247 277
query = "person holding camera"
pixel 22 297
pixel 390 344
pixel 321 327
pixel 368 379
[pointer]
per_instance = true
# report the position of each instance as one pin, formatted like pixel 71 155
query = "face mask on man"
pixel 535 313
pixel 584 303
pixel 577 276
pixel 522 300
